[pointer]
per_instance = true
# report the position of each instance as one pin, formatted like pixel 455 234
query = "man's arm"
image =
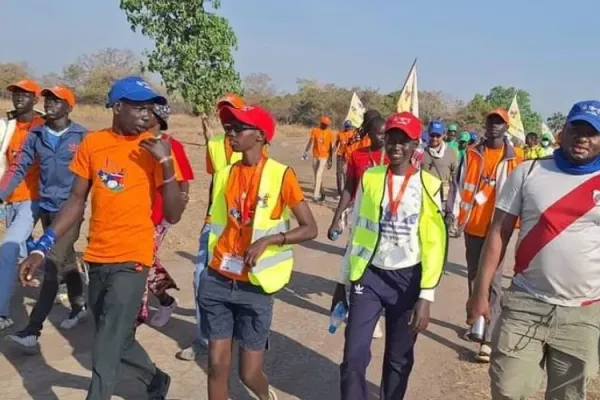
pixel 493 250
pixel 72 210
pixel 308 145
pixel 173 204
pixel 18 169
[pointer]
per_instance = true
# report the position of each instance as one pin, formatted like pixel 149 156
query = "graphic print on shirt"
pixel 112 176
pixel 73 147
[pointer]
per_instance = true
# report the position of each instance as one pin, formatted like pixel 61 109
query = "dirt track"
pixel 303 362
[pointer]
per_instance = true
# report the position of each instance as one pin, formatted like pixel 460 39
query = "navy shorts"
pixel 232 309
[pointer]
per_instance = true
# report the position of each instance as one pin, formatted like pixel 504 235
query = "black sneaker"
pixel 159 386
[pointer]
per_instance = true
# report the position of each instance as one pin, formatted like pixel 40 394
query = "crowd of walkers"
pixel 402 193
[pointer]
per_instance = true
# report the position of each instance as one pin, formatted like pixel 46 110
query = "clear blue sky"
pixel 464 47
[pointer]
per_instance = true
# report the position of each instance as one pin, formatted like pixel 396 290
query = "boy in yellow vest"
pixel 249 250
pixel 398 250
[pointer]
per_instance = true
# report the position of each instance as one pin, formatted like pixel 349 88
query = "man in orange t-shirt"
pixel 481 176
pixel 230 305
pixel 321 140
pixel 22 209
pixel 121 167
pixel 341 149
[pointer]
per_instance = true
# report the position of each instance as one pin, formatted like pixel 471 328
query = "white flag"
pixel 356 111
pixel 409 97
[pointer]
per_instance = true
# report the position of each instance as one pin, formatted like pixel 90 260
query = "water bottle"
pixel 305 156
pixel 337 317
pixel 335 235
pixel 477 332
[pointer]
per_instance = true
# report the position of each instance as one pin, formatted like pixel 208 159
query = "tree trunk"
pixel 205 128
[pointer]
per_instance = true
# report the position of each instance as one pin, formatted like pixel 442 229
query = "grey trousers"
pixel 115 296
pixel 474 245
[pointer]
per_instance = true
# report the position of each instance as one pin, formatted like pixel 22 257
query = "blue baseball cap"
pixel 133 88
pixel 588 111
pixel 436 126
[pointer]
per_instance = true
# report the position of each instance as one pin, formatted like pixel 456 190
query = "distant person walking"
pixel 342 141
pixel 439 159
pixel 550 319
pixel 321 141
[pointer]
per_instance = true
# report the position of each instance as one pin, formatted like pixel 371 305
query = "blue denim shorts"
pixel 231 309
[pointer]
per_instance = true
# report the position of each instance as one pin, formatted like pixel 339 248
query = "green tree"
pixel 473 113
pixel 12 72
pixel 556 121
pixel 500 96
pixel 193 48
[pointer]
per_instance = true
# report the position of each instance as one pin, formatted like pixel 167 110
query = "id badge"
pixel 232 264
pixel 481 198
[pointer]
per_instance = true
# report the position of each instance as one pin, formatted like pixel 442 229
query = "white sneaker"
pixel 27 342
pixel 378 332
pixel 74 318
pixel 272 394
pixel 162 316
pixel 485 352
pixel 5 322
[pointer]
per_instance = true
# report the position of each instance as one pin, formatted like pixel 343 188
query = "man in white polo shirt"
pixel 551 313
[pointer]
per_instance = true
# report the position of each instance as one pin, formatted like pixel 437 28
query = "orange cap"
pixel 25 84
pixel 62 93
pixel 231 99
pixel 325 120
pixel 501 112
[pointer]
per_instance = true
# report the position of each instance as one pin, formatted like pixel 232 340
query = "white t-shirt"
pixel 566 269
pixel 399 242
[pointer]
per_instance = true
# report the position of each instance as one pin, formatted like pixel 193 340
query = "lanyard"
pixel 395 201
pixel 245 188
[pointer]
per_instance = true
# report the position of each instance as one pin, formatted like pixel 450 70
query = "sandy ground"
pixel 304 359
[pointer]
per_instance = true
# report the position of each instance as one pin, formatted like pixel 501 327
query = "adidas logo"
pixel 358 289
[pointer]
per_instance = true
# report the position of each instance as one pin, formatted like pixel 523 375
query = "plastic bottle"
pixel 476 334
pixel 337 317
pixel 305 156
pixel 335 235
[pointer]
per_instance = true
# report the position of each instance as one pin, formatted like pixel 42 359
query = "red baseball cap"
pixel 406 122
pixel 62 93
pixel 25 84
pixel 254 116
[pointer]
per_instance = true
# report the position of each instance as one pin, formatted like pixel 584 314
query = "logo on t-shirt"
pixel 596 197
pixel 113 181
pixel 73 147
pixel 263 201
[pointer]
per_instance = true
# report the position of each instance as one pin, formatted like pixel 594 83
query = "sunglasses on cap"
pixel 434 134
pixel 237 127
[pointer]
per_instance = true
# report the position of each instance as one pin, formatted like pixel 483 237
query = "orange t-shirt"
pixel 360 144
pixel 124 178
pixel 343 139
pixel 481 215
pixel 236 237
pixel 28 188
pixel 322 141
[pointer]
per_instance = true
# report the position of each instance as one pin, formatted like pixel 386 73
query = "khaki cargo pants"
pixel 533 336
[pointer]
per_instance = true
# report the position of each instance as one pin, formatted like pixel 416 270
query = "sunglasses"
pixel 237 128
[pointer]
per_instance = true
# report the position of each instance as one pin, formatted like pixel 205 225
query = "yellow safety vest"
pixel 273 269
pixel 218 156
pixel 433 238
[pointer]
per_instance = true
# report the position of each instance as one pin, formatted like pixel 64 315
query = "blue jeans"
pixel 21 217
pixel 201 261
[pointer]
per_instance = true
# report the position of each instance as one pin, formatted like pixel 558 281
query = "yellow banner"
pixel 515 122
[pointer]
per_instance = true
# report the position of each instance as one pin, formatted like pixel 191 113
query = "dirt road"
pixel 304 359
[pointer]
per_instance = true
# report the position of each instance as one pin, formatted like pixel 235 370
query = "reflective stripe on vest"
pixel 273 268
pixel 218 155
pixel 433 239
